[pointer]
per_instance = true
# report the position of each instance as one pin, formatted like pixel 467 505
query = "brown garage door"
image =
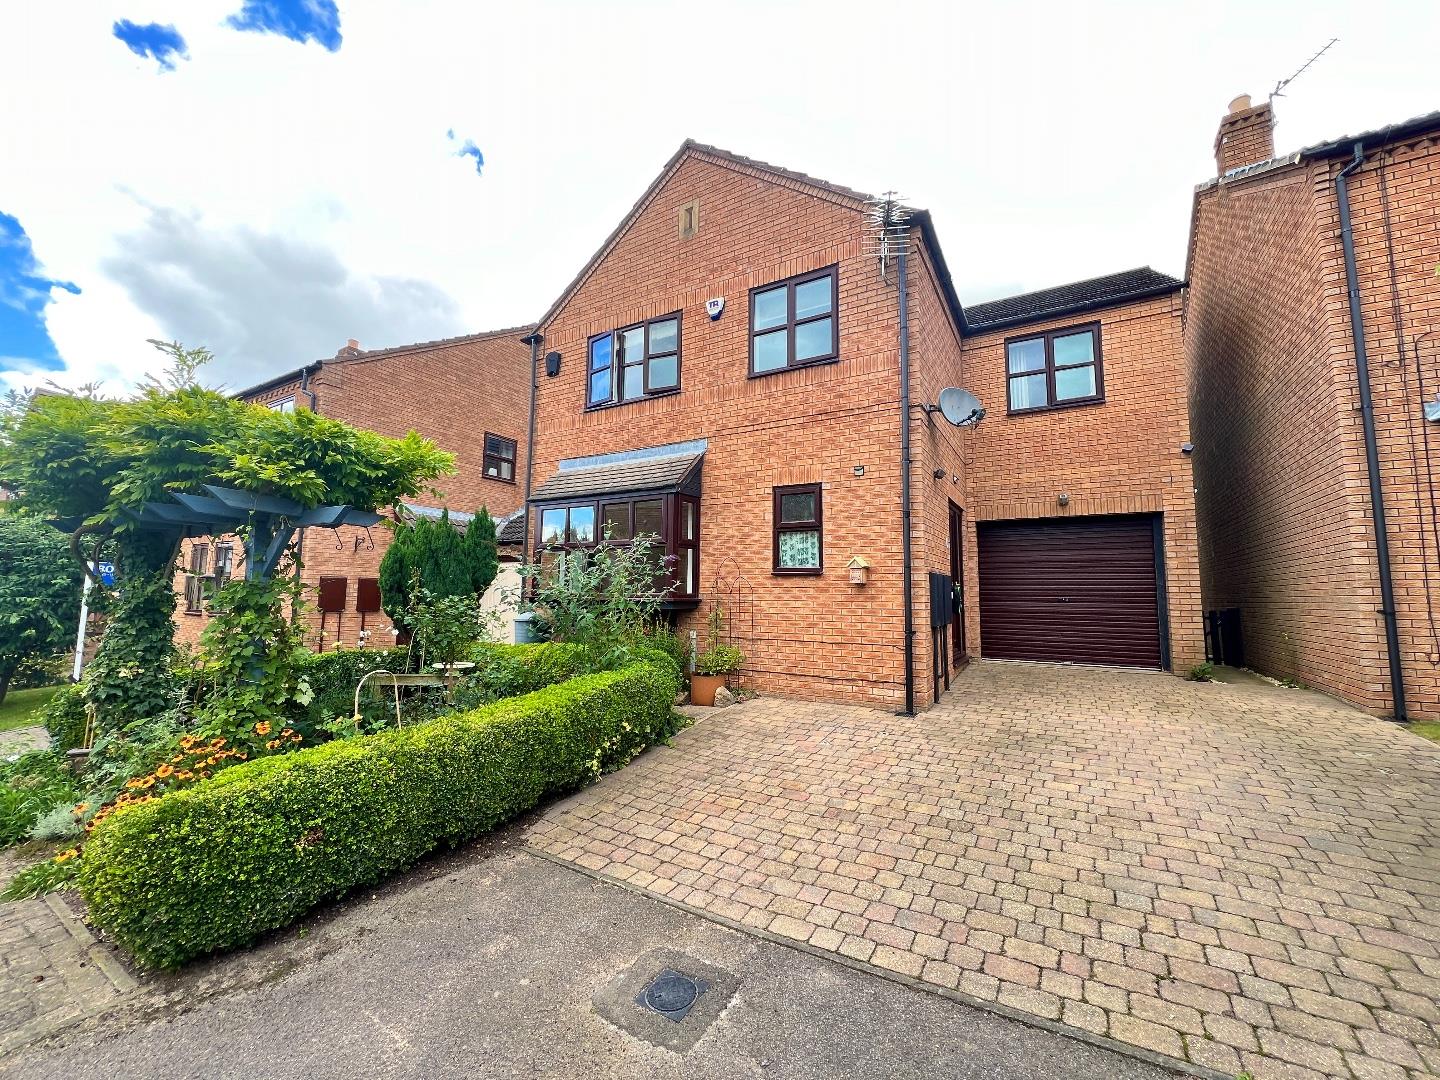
pixel 1079 589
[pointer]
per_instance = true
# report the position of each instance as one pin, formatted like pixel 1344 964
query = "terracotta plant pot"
pixel 703 687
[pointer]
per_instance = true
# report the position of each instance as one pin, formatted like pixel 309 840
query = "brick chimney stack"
pixel 350 349
pixel 1246 135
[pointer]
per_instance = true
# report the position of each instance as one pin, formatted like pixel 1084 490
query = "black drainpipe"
pixel 533 340
pixel 1372 452
pixel 905 559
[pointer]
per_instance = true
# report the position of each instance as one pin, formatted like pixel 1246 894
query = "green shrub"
pixel 218 864
pixel 1202 672
pixel 30 786
pixel 64 718
pixel 332 677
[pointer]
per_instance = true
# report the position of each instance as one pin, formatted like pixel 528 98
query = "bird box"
pixel 859 570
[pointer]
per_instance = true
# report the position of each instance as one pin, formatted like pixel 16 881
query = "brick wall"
pixel 1286 528
pixel 1120 456
pixel 815 636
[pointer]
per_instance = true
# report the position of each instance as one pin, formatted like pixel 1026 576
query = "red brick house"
pixel 466 393
pixel 1312 331
pixel 726 372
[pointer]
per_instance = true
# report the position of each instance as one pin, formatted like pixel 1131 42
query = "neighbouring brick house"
pixel 1288 524
pixel 467 394
pixel 726 373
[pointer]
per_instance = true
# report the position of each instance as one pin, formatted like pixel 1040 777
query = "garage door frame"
pixel 1157 545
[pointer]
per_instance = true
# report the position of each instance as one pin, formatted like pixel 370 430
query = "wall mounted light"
pixel 939 474
pixel 1063 499
pixel 1187 448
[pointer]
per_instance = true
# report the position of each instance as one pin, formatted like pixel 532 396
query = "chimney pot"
pixel 1239 104
pixel 352 343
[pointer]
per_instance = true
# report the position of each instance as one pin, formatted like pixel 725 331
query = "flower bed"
pixel 214 866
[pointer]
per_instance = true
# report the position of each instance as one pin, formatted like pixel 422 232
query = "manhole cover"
pixel 671 994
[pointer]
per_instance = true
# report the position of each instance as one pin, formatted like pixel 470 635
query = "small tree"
pixel 39 593
pixel 430 552
pixel 481 551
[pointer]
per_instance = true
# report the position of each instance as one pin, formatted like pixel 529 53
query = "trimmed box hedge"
pixel 216 865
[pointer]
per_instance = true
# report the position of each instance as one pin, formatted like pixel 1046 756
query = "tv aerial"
pixel 959 407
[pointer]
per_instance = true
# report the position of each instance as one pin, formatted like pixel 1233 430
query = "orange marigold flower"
pixel 187 741
pixel 273 744
pixel 66 856
pixel 165 771
pixel 262 728
pixel 80 808
pixel 184 774
pixel 133 782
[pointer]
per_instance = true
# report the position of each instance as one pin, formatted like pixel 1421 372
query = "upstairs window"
pixel 1046 371
pixel 499 463
pixel 635 362
pixel 283 405
pixel 797 517
pixel 793 323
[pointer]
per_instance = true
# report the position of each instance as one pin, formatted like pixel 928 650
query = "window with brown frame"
pixel 1055 369
pixel 670 521
pixel 499 463
pixel 799 547
pixel 794 322
pixel 634 362
pixel 195 578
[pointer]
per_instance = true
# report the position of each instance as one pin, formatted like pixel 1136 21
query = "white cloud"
pixel 1050 141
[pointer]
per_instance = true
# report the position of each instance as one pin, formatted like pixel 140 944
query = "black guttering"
pixel 1101 304
pixel 922 220
pixel 1372 452
pixel 302 374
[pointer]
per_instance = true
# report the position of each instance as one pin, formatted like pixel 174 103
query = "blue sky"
pixel 270 178
pixel 163 44
pixel 24 294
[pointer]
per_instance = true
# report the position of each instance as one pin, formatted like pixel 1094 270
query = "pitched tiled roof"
pixel 642 474
pixel 346 356
pixel 511 528
pixel 1078 296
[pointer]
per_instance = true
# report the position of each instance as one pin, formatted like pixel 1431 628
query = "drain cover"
pixel 671 994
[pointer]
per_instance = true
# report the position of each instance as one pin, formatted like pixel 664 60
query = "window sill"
pixel 821 362
pixel 499 480
pixel 797 572
pixel 1059 406
pixel 632 401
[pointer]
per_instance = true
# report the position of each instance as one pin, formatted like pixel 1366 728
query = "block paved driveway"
pixel 1241 877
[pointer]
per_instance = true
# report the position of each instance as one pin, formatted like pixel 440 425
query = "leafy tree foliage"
pixel 39 593
pixel 432 553
pixel 93 460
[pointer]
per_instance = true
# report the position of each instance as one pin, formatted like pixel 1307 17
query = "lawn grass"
pixel 19 705
pixel 1427 731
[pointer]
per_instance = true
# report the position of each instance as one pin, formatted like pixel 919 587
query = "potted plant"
pixel 712 667
pixel 716 663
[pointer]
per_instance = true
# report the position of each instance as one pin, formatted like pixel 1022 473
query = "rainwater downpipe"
pixel 1372 451
pixel 534 341
pixel 905 557
pixel 300 541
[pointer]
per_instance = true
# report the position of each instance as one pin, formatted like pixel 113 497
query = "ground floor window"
pixel 798 547
pixel 671 521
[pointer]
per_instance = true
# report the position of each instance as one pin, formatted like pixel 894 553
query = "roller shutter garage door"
pixel 1081 590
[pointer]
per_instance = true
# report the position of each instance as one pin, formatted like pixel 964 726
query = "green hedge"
pixel 216 865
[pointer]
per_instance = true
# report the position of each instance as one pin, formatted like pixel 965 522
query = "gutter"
pixel 1100 304
pixel 533 340
pixel 906 559
pixel 1372 452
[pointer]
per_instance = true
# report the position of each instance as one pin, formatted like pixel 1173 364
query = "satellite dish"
pixel 960 407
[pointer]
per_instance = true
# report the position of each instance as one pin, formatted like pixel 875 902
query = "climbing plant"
pixel 92 462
